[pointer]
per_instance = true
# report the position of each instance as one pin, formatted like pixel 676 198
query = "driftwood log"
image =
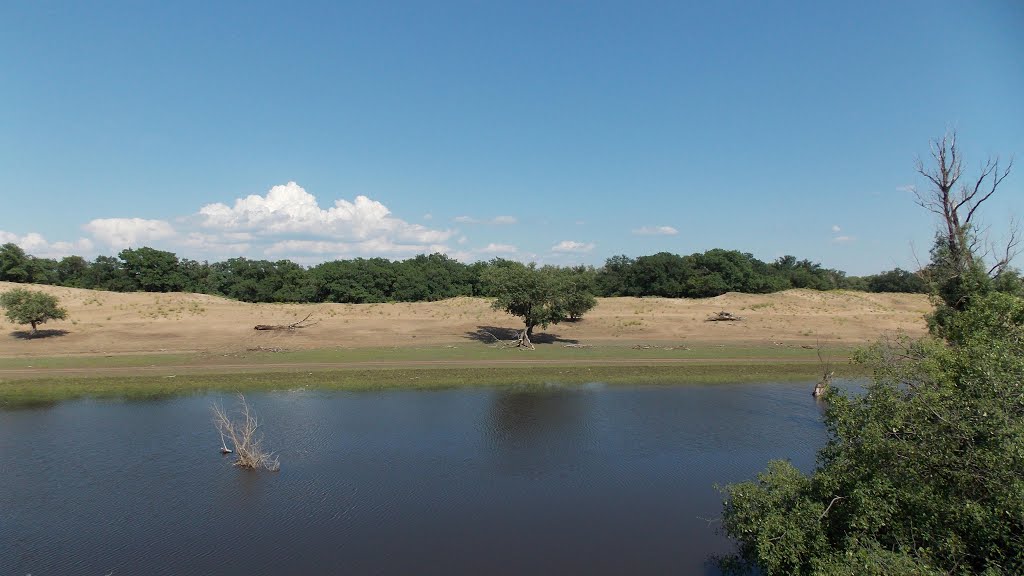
pixel 724 316
pixel 304 323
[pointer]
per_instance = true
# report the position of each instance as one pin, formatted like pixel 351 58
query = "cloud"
pixel 843 239
pixel 375 246
pixel 224 244
pixel 907 188
pixel 493 248
pixel 120 233
pixel 836 228
pixel 572 246
pixel 655 231
pixel 37 245
pixel 289 209
pixel 497 220
pixel 286 222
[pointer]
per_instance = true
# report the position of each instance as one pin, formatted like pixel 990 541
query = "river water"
pixel 578 480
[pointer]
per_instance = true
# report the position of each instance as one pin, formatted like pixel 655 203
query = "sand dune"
pixel 115 323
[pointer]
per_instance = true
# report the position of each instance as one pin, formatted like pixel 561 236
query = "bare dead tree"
pixel 827 372
pixel 956 201
pixel 241 431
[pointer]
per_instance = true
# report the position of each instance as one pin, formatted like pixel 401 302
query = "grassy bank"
pixel 20 392
pixel 481 353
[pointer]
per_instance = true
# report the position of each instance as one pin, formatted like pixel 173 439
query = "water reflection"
pixel 497 481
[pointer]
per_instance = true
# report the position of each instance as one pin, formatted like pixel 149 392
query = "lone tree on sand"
pixel 30 307
pixel 540 296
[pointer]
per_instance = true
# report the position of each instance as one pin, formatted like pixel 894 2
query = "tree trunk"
pixel 34 330
pixel 524 338
pixel 529 330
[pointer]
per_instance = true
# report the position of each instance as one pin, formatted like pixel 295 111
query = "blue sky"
pixel 561 132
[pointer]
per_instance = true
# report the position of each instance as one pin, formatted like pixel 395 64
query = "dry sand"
pixel 101 323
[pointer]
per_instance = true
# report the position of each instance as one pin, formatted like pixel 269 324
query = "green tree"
pixel 537 295
pixel 106 273
pixel 577 286
pixel 71 271
pixel 615 277
pixel 152 270
pixel 31 307
pixel 662 274
pixel 897 280
pixel 14 264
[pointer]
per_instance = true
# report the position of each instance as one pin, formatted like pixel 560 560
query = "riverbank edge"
pixel 41 391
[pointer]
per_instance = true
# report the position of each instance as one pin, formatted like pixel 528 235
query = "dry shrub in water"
pixel 241 431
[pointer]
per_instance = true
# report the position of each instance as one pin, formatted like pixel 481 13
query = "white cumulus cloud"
pixel 655 231
pixel 120 233
pixel 836 228
pixel 224 244
pixel 493 248
pixel 572 246
pixel 289 209
pixel 373 246
pixel 37 245
pixel 498 220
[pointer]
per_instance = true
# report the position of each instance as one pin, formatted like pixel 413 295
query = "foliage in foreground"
pixel 924 473
pixel 31 307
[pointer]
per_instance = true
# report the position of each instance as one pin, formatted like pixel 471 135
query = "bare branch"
pixel 990 168
pixel 958 208
pixel 1011 250
pixel 244 442
pixel 829 507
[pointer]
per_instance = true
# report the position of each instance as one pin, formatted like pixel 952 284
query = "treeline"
pixel 719 271
pixel 430 277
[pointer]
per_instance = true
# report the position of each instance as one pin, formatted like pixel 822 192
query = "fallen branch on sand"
pixel 304 323
pixel 724 316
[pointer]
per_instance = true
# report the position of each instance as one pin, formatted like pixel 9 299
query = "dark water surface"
pixel 587 480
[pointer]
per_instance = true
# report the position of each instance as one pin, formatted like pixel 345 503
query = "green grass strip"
pixel 15 393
